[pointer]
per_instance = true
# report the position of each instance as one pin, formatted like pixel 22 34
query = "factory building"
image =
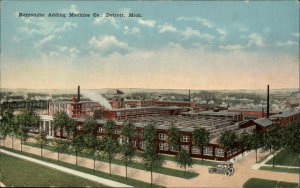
pixel 163 116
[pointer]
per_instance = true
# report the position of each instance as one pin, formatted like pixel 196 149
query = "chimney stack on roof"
pixel 78 93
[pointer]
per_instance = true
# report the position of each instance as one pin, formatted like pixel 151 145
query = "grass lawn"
pixel 256 182
pixel 280 169
pixel 121 179
pixel 195 161
pixel 163 170
pixel 21 173
pixel 285 158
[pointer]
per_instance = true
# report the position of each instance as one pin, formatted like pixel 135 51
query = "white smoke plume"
pixel 97 98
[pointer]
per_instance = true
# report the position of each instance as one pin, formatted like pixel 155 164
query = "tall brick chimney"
pixel 78 93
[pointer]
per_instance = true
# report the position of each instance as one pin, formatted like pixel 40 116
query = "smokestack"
pixel 268 102
pixel 262 112
pixel 78 94
pixel 190 95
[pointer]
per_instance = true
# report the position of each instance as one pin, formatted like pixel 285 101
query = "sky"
pixel 174 45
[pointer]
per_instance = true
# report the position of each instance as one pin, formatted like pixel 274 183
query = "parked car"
pixel 222 168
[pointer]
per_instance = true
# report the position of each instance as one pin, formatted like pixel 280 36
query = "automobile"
pixel 222 168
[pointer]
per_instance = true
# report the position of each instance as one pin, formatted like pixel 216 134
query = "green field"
pixel 280 169
pixel 21 173
pixel 121 179
pixel 263 183
pixel 285 158
pixel 167 171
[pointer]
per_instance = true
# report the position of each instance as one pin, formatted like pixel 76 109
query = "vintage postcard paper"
pixel 214 80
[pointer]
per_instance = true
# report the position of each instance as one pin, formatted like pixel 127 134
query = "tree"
pixel 127 148
pixel 110 143
pixel 293 141
pixel 77 144
pixel 151 158
pixel 90 137
pixel 59 146
pixel 183 159
pixel 227 139
pixel 174 137
pixel 62 122
pixel 41 140
pixel 6 121
pixel 257 141
pixel 276 139
pixel 245 141
pixel 98 114
pixel 26 120
pixel 201 138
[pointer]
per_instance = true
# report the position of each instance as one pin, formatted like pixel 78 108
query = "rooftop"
pixel 263 122
pixel 284 114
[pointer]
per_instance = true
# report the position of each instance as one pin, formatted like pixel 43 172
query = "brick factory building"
pixel 163 114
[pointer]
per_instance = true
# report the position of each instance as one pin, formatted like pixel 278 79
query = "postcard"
pixel 227 68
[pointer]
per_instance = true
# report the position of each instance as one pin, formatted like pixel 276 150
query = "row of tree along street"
pixel 19 126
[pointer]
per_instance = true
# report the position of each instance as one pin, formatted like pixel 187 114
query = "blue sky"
pixel 179 45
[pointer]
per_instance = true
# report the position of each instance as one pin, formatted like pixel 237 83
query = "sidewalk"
pixel 67 170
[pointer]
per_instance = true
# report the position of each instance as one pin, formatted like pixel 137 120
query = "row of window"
pixel 163 136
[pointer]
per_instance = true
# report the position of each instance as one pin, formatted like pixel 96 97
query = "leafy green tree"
pixel 77 144
pixel 63 122
pixel 257 141
pixel 245 141
pixel 90 137
pixel 293 141
pixel 227 140
pixel 201 138
pixel 110 144
pixel 151 158
pixel 59 147
pixel 183 159
pixel 41 140
pixel 25 121
pixel 127 148
pixel 6 121
pixel 276 139
pixel 98 114
pixel 174 137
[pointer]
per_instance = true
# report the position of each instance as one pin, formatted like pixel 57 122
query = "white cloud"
pixel 190 32
pixel 148 23
pixel 286 43
pixel 45 40
pixel 74 9
pixel 66 26
pixel 232 47
pixel 103 20
pixel 200 20
pixel 255 39
pixel 221 31
pixel 296 34
pixel 166 28
pixel 107 42
pixel 133 30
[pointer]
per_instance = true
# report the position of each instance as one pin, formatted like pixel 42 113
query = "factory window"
pixel 100 130
pixel 121 141
pixel 185 147
pixel 208 151
pixel 184 138
pixel 162 136
pixel 142 145
pixel 79 127
pixel 174 149
pixel 219 152
pixel 117 131
pixel 163 146
pixel 196 150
